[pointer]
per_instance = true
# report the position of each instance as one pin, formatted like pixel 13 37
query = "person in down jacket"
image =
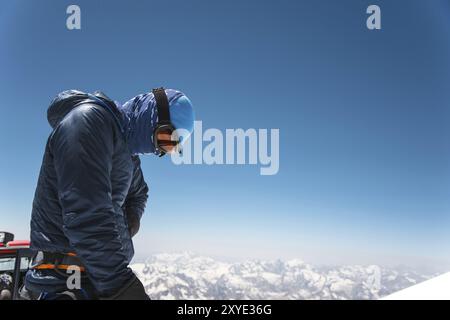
pixel 91 192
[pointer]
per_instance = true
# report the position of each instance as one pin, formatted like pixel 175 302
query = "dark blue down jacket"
pixel 90 180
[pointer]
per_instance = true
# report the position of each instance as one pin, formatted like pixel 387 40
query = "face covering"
pixel 141 118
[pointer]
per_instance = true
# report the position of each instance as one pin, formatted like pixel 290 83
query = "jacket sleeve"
pixel 82 146
pixel 136 200
pixel 138 193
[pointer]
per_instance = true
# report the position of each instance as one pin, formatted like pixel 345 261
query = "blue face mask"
pixel 141 119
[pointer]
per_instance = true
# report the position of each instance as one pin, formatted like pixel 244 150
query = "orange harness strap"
pixel 52 267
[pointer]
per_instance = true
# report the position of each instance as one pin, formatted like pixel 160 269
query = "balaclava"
pixel 141 117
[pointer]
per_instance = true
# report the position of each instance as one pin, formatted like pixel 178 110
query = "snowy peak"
pixel 190 276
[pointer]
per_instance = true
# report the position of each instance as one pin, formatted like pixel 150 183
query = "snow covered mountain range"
pixel 190 276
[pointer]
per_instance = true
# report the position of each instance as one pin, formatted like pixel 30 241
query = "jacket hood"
pixel 63 104
pixel 137 118
pixel 68 100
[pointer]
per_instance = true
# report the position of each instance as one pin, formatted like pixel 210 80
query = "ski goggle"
pixel 166 139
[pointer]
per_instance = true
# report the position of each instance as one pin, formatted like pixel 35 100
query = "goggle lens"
pixel 167 140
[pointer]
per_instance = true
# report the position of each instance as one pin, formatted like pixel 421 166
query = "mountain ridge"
pixel 191 276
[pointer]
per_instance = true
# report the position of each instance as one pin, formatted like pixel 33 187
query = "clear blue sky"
pixel 363 118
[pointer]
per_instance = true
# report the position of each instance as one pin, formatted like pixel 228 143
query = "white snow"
pixel 191 276
pixel 434 289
